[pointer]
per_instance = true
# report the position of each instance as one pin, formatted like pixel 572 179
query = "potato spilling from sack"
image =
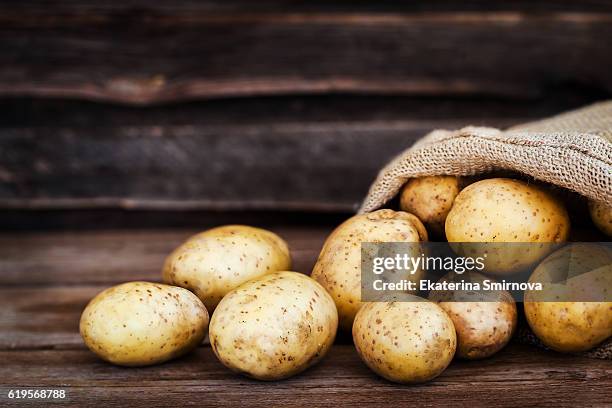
pixel 430 199
pixel 500 210
pixel 338 268
pixel 143 323
pixel 214 262
pixel 405 342
pixel 484 321
pixel 566 315
pixel 274 327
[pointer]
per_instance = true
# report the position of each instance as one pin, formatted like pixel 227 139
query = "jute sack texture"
pixel 571 150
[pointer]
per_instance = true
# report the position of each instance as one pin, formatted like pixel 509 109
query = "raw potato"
pixel 601 214
pixel 143 323
pixel 485 321
pixel 338 268
pixel 575 272
pixel 501 210
pixel 274 327
pixel 212 263
pixel 430 199
pixel 406 342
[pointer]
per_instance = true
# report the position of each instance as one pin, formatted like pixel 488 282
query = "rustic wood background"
pixel 126 126
pixel 48 277
pixel 262 106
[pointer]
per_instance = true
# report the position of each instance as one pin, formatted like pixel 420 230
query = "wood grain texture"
pixel 517 376
pixel 295 153
pixel 113 7
pixel 146 54
pixel 46 279
pixel 109 257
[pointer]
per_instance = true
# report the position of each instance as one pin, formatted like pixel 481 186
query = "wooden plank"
pixel 144 55
pixel 301 154
pixel 112 7
pixel 95 219
pixel 108 257
pixel 43 291
pixel 43 317
pixel 324 167
pixel 517 376
pixel 46 279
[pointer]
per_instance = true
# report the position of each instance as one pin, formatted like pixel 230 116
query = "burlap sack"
pixel 572 150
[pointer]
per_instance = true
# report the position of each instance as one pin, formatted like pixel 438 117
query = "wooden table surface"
pixel 47 278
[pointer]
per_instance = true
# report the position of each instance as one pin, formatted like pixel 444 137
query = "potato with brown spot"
pixel 338 267
pixel 213 262
pixel 143 323
pixel 274 327
pixel 406 342
pixel 601 214
pixel 484 320
pixel 430 199
pixel 498 211
pixel 572 312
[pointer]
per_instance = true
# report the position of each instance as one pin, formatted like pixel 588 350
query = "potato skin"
pixel 274 327
pixel 430 199
pixel 601 214
pixel 405 342
pixel 143 323
pixel 213 262
pixel 483 327
pixel 338 268
pixel 569 326
pixel 501 210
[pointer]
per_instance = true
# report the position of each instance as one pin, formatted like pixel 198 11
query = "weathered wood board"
pixel 47 278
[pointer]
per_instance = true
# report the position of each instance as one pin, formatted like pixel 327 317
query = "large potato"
pixel 406 342
pixel 601 214
pixel 212 263
pixel 555 314
pixel 484 321
pixel 430 199
pixel 338 267
pixel 143 323
pixel 274 327
pixel 501 210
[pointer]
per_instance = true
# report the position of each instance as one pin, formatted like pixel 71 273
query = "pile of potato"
pixel 266 322
pixel 269 323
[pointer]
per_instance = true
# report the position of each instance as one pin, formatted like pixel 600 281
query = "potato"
pixel 212 263
pixel 485 321
pixel 143 323
pixel 274 327
pixel 430 199
pixel 601 214
pixel 501 210
pixel 338 268
pixel 406 342
pixel 575 272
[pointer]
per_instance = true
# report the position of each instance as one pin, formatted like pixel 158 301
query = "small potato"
pixel 338 267
pixel 274 327
pixel 601 214
pixel 484 321
pixel 143 323
pixel 501 210
pixel 405 342
pixel 575 272
pixel 212 263
pixel 430 199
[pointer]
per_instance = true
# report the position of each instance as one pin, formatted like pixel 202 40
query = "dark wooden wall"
pixel 270 105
